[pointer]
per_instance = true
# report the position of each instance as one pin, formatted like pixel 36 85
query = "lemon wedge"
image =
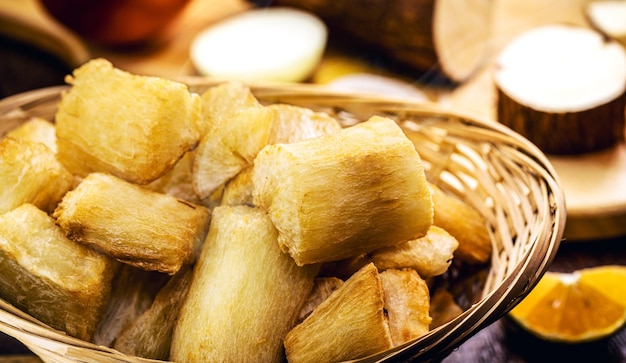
pixel 581 306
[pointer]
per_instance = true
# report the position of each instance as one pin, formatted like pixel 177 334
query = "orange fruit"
pixel 581 306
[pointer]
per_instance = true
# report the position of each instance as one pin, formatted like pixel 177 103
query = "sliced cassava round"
pixel 608 17
pixel 563 87
pixel 422 35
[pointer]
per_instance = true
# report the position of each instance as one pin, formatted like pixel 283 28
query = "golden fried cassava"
pixel 343 194
pixel 135 127
pixel 30 173
pixel 245 294
pixel 143 228
pixel 58 281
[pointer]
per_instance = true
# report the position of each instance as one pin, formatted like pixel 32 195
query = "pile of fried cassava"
pixel 210 227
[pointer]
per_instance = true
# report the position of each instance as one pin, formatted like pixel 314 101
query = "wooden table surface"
pixel 500 342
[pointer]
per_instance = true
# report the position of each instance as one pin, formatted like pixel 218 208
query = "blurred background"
pixel 43 40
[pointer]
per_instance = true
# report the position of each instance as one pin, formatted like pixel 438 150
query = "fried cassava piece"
pixel 58 281
pixel 407 302
pixel 30 173
pixel 290 124
pixel 345 193
pixel 143 228
pixel 430 255
pixel 36 129
pixel 150 335
pixel 368 313
pixel 135 127
pixel 351 323
pixel 463 222
pixel 238 127
pixel 245 294
pixel 132 293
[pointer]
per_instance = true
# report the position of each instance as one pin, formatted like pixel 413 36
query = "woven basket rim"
pixel 530 264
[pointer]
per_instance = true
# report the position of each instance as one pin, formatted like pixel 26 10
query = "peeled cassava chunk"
pixel 238 191
pixel 177 182
pixel 245 294
pixel 343 194
pixel 407 302
pixel 135 127
pixel 36 129
pixel 143 228
pixel 465 224
pixel 237 128
pixel 150 335
pixel 133 291
pixel 350 324
pixel 30 173
pixel 294 123
pixel 323 287
pixel 430 255
pixel 443 308
pixel 291 124
pixel 58 281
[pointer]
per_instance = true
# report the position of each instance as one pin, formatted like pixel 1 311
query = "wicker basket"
pixel 494 169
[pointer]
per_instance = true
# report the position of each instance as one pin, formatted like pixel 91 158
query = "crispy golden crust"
pixel 135 127
pixel 346 193
pixel 143 228
pixel 58 281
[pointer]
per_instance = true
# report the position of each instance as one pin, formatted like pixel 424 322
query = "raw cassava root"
pixel 563 88
pixel 608 17
pixel 449 36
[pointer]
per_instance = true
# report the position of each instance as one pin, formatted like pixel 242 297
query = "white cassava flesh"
pixel 563 87
pixel 343 194
pixel 609 17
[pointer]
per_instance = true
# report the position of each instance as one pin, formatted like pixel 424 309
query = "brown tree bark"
pixel 563 88
pixel 448 36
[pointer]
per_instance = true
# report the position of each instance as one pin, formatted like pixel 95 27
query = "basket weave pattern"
pixel 506 178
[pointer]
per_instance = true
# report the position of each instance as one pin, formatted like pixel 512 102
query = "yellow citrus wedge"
pixel 581 306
